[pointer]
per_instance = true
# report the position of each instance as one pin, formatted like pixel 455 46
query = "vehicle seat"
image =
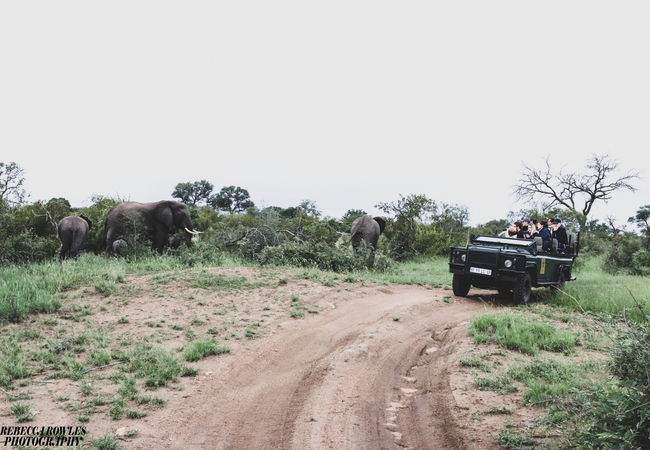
pixel 554 245
pixel 539 242
pixel 571 248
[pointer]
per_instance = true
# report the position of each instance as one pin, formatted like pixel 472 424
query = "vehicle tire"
pixel 561 279
pixel 522 289
pixel 460 284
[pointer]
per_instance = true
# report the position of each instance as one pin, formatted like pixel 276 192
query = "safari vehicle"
pixel 510 264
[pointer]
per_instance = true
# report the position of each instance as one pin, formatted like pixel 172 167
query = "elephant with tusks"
pixel 152 221
pixel 72 233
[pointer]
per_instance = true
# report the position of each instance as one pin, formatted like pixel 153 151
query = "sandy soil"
pixel 371 367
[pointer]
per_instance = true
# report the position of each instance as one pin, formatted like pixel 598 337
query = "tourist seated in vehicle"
pixel 560 234
pixel 534 227
pixel 523 232
pixel 545 234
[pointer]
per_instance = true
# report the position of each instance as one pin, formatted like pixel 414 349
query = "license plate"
pixel 480 271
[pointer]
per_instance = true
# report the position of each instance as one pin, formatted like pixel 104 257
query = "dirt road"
pixel 366 373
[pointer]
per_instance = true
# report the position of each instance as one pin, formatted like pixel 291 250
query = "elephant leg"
pixel 77 240
pixel 160 233
pixel 110 239
pixel 64 249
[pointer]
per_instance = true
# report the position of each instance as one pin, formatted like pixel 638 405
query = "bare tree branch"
pixel 575 191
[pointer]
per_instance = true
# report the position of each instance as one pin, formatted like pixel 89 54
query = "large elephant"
pixel 367 229
pixel 72 232
pixel 153 221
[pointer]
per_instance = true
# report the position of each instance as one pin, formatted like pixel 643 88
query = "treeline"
pixel 299 235
pixel 296 235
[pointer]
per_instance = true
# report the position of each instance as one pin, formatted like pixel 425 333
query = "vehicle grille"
pixel 483 258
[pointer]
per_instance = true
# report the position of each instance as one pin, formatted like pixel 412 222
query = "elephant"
pixel 72 232
pixel 147 220
pixel 367 229
pixel 119 246
pixel 174 240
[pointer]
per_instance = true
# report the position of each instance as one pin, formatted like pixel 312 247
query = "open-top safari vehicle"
pixel 511 264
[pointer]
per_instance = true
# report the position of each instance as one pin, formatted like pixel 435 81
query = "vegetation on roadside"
pixel 596 395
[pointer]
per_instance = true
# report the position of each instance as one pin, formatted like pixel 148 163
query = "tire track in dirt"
pixel 351 377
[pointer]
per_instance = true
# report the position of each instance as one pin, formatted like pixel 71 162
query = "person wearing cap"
pixel 560 233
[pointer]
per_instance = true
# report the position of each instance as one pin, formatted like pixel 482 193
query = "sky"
pixel 345 103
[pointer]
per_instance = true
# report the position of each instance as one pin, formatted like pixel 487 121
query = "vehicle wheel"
pixel 561 279
pixel 522 289
pixel 460 284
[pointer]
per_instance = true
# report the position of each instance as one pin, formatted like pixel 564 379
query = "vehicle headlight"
pixel 508 263
pixel 463 257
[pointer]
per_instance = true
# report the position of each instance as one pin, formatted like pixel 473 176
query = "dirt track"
pixel 351 377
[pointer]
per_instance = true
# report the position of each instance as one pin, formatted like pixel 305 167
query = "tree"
pixel 642 220
pixel 46 216
pixel 494 226
pixel 544 211
pixel 451 219
pixel 193 193
pixel 408 211
pixel 575 191
pixel 350 216
pixel 232 199
pixel 12 177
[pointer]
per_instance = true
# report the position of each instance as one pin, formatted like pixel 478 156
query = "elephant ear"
pixel 163 214
pixel 90 224
pixel 381 222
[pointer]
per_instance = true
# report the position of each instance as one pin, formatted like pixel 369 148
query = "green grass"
pixel 598 292
pixel 422 271
pixel 549 381
pixel 156 365
pixel 14 360
pixel 498 384
pixel 200 349
pixel 22 412
pixel 525 335
pixel 106 442
pixel 206 280
pixel 37 287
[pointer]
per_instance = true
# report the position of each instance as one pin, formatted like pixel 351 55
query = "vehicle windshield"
pixel 505 242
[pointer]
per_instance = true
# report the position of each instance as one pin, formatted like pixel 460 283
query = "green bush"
pixel 629 254
pixel 617 415
pixel 321 255
pixel 429 241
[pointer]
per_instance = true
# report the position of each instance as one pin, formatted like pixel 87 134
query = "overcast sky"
pixel 346 103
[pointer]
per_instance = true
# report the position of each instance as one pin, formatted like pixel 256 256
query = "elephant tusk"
pixel 193 232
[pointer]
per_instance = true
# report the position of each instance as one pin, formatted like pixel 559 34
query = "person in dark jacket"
pixel 560 234
pixel 545 234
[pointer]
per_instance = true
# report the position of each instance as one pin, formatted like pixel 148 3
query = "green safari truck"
pixel 511 265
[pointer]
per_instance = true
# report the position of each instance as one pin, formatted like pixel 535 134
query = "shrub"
pixel 617 415
pixel 628 253
pixel 321 255
pixel 431 242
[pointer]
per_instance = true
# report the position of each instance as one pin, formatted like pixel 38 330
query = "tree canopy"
pixel 574 190
pixel 231 198
pixel 193 193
